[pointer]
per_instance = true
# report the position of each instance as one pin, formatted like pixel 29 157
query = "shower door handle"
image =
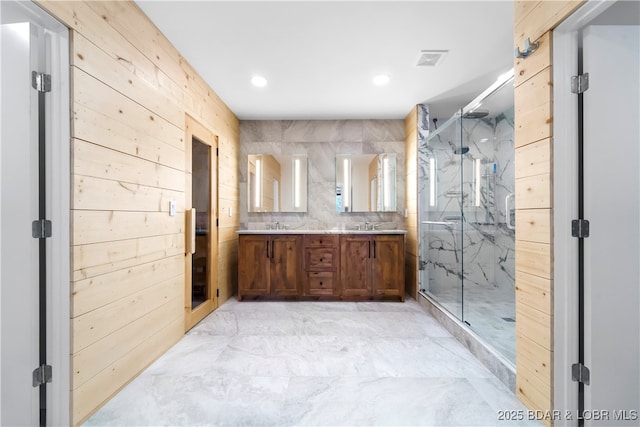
pixel 508 201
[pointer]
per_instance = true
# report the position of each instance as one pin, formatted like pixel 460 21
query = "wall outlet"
pixel 172 208
pixel 406 213
pixel 230 211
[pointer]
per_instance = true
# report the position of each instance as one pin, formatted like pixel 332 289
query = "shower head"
pixel 476 114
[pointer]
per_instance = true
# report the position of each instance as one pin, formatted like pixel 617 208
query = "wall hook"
pixel 529 48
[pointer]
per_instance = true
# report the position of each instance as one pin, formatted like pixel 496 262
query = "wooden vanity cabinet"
pixel 321 266
pixel 270 265
pixel 321 261
pixel 374 266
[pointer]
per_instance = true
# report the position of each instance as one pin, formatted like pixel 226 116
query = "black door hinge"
pixel 217 293
pixel 580 228
pixel 41 229
pixel 580 373
pixel 42 375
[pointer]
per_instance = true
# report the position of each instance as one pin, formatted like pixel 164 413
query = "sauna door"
pixel 201 260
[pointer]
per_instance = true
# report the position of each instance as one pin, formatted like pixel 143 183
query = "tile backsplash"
pixel 321 141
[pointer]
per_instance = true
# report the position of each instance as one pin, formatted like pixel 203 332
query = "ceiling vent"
pixel 431 58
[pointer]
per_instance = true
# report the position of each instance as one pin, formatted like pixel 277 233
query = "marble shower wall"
pixel 484 237
pixel 321 141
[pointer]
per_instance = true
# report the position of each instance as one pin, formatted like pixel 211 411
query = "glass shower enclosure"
pixel 467 216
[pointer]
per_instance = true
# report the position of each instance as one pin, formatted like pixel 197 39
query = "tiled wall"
pixel 321 141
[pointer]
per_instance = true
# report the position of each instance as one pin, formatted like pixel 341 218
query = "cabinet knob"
pixel 320 283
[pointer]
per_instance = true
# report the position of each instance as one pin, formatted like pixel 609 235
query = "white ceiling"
pixel 319 57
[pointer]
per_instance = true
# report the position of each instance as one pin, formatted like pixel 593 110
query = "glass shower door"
pixel 489 214
pixel 466 205
pixel 440 202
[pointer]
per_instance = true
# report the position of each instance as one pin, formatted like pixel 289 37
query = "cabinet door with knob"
pixel 284 271
pixel 355 256
pixel 253 266
pixel 387 266
pixel 375 266
pixel 269 265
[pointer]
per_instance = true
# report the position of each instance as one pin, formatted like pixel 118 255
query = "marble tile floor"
pixel 485 309
pixel 315 364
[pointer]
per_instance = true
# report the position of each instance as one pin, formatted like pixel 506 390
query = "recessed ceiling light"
pixel 380 80
pixel 258 81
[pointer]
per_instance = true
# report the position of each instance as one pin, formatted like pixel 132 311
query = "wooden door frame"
pixel 195 130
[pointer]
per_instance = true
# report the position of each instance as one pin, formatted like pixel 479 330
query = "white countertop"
pixel 332 231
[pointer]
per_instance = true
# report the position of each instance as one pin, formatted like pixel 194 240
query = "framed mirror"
pixel 366 182
pixel 277 183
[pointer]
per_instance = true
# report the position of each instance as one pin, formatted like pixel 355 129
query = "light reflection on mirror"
pixel 277 183
pixel 366 182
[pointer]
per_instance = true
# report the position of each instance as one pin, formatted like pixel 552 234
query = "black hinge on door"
pixel 580 228
pixel 580 373
pixel 217 293
pixel 216 151
pixel 217 222
pixel 580 83
pixel 42 375
pixel 41 229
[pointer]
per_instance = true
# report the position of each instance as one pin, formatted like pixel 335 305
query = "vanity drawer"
pixel 321 283
pixel 320 240
pixel 320 258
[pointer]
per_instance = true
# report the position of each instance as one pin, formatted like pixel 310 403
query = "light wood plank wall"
pixel 534 187
pixel 131 90
pixel 411 221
